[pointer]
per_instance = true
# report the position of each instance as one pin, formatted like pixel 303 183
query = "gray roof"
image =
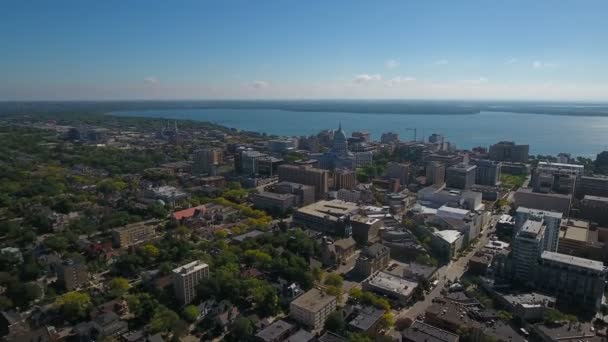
pixel 554 214
pixel 301 336
pixel 366 318
pixel 532 227
pixel 331 337
pixel 375 250
pixel 274 331
pixel 574 261
pixel 422 332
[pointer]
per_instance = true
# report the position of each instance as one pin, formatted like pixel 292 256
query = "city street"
pixel 451 271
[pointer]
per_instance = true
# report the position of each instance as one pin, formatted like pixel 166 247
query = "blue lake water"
pixel 546 134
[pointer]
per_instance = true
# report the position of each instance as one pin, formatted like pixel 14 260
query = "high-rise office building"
pixel 528 245
pixel 400 171
pixel 509 151
pixel 72 274
pixel 207 160
pixel 461 176
pixel 575 282
pixel 552 221
pixel 186 278
pixel 435 173
pixel 389 138
pixel 487 172
pixel 317 178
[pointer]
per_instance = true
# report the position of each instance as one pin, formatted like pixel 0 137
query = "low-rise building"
pixel 339 251
pixel 422 332
pixel 575 238
pixel 595 208
pixel 367 320
pixel 278 331
pixel 447 243
pixel 396 288
pixel 365 229
pixel 168 194
pixel 134 234
pixel 525 197
pixel 326 216
pixel 305 194
pixel 372 259
pixel 312 308
pixel 530 306
pixel 276 203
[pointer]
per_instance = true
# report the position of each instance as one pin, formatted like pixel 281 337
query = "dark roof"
pixel 156 338
pixel 375 250
pixel 331 337
pixel 367 318
pixel 301 336
pixel 422 332
pixel 274 331
pixel 106 318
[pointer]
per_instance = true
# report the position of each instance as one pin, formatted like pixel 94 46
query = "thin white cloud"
pixel 391 63
pixel 511 61
pixel 151 80
pixel 543 65
pixel 441 62
pixel 478 80
pixel 366 78
pixel 400 79
pixel 260 84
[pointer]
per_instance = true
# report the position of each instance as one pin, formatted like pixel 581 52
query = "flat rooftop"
pixel 451 210
pixel 561 165
pixel 532 227
pixel 191 267
pixel 336 208
pixel 313 300
pixel 449 235
pixel 273 195
pixel 274 331
pixel 366 318
pixel 574 233
pixel 420 331
pixel 595 198
pixel 389 282
pixel 554 214
pixel 572 260
pixel 528 298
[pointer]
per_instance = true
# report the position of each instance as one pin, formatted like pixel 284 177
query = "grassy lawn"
pixel 510 181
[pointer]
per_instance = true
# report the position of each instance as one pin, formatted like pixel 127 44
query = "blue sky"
pixel 148 49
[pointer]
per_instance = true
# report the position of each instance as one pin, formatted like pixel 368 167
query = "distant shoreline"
pixel 379 107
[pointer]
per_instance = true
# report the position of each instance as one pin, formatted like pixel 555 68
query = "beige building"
pixel 575 238
pixel 133 234
pixel 317 178
pixel 312 308
pixel 186 278
pixel 345 179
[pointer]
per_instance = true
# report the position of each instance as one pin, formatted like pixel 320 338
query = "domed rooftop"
pixel 340 144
